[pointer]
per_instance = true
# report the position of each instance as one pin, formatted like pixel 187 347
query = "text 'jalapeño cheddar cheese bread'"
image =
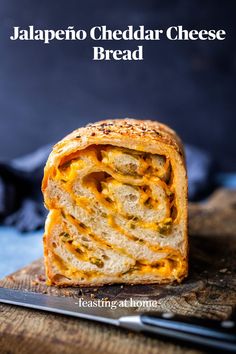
pixel 116 191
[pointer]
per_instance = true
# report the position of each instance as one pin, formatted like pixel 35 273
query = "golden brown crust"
pixel 121 132
pixel 142 135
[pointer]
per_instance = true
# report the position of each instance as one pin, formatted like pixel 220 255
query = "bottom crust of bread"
pixel 64 284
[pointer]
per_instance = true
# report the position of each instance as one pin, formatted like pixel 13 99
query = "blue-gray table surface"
pixel 17 250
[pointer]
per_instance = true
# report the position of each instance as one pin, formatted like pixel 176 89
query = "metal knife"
pixel 206 333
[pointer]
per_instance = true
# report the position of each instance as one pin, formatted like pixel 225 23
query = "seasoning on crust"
pixel 116 191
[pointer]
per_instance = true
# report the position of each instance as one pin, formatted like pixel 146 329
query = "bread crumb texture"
pixel 116 192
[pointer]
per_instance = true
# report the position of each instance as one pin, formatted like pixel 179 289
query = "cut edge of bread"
pixel 168 144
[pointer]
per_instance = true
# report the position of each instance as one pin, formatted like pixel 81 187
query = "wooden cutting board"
pixel 209 292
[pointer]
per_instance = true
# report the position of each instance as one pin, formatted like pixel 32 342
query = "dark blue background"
pixel 48 90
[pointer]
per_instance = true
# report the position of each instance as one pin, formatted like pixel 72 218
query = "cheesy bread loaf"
pixel 116 191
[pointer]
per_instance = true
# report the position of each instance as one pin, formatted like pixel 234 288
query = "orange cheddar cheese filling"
pixel 114 217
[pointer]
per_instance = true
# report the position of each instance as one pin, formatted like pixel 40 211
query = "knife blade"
pixel 206 333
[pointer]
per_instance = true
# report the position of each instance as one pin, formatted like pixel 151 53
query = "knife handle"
pixel 206 333
pixel 220 335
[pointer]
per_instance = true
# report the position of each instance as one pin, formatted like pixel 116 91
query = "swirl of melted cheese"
pixel 132 193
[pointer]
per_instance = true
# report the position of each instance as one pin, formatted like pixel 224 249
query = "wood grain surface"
pixel 208 292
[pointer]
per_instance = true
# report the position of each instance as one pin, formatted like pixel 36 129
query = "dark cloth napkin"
pixel 21 202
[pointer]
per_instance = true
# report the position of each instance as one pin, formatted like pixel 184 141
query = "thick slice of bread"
pixel 117 195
